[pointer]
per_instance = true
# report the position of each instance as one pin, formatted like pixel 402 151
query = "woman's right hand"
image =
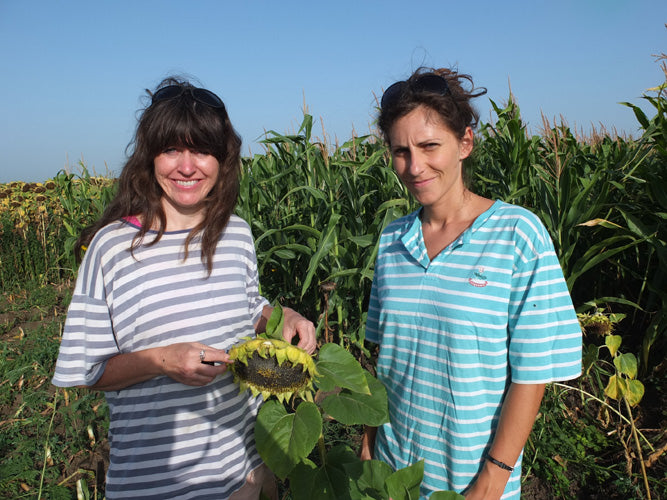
pixel 187 363
pixel 181 362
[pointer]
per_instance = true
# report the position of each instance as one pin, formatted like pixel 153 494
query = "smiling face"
pixel 186 178
pixel 428 157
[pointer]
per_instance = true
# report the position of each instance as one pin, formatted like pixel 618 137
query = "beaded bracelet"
pixel 500 464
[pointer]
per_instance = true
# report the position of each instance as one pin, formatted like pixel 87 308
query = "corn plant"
pixel 316 218
pixel 83 198
pixel 590 195
pixel 650 182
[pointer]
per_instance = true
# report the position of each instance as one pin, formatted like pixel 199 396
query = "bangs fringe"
pixel 190 124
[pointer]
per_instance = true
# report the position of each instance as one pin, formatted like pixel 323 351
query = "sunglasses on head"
pixel 200 95
pixel 425 83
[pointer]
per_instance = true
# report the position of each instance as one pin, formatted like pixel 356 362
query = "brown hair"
pixel 177 121
pixel 453 107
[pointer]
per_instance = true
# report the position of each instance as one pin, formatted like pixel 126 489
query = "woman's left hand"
pixel 296 325
pixel 489 485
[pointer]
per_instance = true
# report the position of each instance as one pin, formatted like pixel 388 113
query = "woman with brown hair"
pixel 468 305
pixel 168 282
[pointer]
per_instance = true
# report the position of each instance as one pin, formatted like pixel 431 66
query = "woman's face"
pixel 428 157
pixel 186 178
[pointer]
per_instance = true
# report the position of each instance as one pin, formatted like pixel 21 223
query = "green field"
pixel 316 211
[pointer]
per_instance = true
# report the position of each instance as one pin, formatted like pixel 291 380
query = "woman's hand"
pixel 489 485
pixel 187 363
pixel 181 362
pixel 296 325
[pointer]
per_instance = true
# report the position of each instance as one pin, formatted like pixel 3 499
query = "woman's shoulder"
pixel 237 230
pixel 237 225
pixel 526 224
pixel 401 225
pixel 116 229
pixel 517 213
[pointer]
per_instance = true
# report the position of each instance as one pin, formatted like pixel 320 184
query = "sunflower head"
pixel 596 324
pixel 272 367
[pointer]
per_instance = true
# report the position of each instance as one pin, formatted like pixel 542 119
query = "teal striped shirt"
pixel 492 308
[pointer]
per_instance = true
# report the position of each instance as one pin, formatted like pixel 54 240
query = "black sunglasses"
pixel 426 83
pixel 201 95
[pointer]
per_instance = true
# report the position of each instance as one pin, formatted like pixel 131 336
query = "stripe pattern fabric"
pixel 167 440
pixel 492 308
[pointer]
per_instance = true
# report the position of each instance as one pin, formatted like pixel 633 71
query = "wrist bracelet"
pixel 500 464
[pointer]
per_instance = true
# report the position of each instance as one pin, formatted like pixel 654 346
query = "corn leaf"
pixel 325 244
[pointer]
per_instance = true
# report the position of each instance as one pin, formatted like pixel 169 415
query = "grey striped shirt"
pixel 168 440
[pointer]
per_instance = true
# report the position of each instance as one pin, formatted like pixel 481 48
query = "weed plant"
pixel 44 433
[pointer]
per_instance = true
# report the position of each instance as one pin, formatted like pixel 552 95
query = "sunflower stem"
pixel 321 448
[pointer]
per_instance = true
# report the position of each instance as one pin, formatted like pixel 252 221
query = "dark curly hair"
pixel 182 120
pixel 453 106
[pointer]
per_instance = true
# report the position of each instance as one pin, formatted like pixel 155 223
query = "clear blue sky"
pixel 73 72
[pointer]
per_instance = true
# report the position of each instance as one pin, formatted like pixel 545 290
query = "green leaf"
pixel 326 243
pixel 404 483
pixel 330 481
pixel 315 193
pixel 590 356
pixel 285 439
pixel 339 368
pixel 353 408
pixel 635 392
pixel 626 364
pixel 274 327
pixel 616 387
pixel 284 253
pixel 369 477
pixel 639 114
pixel 597 253
pixel 363 241
pixel 296 228
pixel 302 478
pixel 613 342
pixel 616 317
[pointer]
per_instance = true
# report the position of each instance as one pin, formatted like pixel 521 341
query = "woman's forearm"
pixel 124 370
pixel 183 362
pixel 368 443
pixel 517 416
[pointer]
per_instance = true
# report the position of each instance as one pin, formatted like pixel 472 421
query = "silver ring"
pixel 202 355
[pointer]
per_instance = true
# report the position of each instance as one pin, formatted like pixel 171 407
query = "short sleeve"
pixel 372 323
pixel 88 338
pixel 256 301
pixel 545 336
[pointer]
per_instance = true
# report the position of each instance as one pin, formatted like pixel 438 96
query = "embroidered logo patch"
pixel 478 278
